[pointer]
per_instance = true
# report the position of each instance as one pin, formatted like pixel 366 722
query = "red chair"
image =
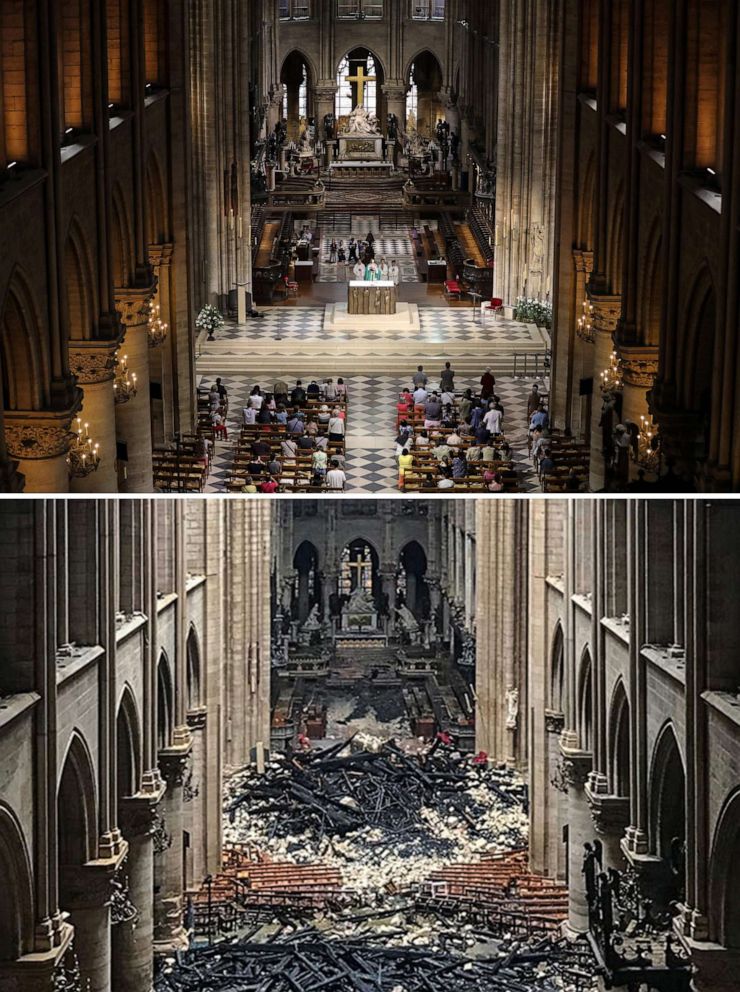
pixel 453 290
pixel 496 306
pixel 291 287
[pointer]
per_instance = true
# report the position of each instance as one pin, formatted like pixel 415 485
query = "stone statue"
pixel 312 620
pixel 362 122
pixel 360 602
pixel 512 708
pixel 407 620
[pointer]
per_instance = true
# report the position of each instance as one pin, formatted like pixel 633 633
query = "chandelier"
pixel 611 378
pixel 124 384
pixel 585 328
pixel 157 327
pixel 83 456
pixel 648 451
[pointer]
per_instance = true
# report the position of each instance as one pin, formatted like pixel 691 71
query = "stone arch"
pixel 165 702
pixel 587 206
pixel 413 560
pixel 128 758
pixel 724 875
pixel 308 61
pixel 80 310
pixel 619 741
pixel 425 67
pixel 157 224
pixel 651 296
pixel 667 788
pixel 557 669
pixel 584 699
pixel 77 805
pixel 16 891
pixel 615 257
pixel 194 685
pixel 696 357
pixel 23 355
pixel 307 587
pixel 121 241
pixel 378 61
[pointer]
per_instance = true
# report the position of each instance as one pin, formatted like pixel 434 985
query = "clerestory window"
pixel 360 10
pixel 295 10
pixel 428 10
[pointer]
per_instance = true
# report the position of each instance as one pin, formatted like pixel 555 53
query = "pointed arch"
pixel 121 244
pixel 650 315
pixel 615 260
pixel 165 702
pixel 192 650
pixel 557 669
pixel 724 875
pixel 77 805
pixel 585 701
pixel 695 374
pixel 128 731
pixel 157 225
pixel 23 355
pixel 80 310
pixel 16 891
pixel 587 206
pixel 667 794
pixel 619 741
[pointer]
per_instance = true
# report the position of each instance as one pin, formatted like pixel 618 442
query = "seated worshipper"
pixel 497 484
pixel 447 379
pixel 383 270
pixel 336 429
pixel 372 272
pixel 420 399
pixel 539 418
pixel 275 466
pixel 405 464
pixel 404 406
pixel 459 466
pixel 339 459
pixel 269 486
pixel 306 443
pixel 482 434
pixel 262 448
pixel 280 391
pixel 256 398
pixel 447 399
pixel 249 415
pixel 298 394
pixel 264 416
pixel 203 449
pixel 341 390
pixel 492 420
pixel 505 454
pixel 423 440
pixel 295 423
pixel 394 273
pixel 540 441
pixel 433 411
pixel 359 272
pixel 281 415
pixel 312 428
pixel 257 466
pixel 487 383
pixel 465 405
pixel 335 477
pixel 330 391
pixel 318 465
pixel 454 439
pixel 249 486
pixel 488 453
pixel 313 392
pixel 441 450
pixel 446 481
pixel 289 448
pixel 474 453
pixel 404 440
pixel 547 465
pixel 420 378
pixel 323 415
pixel 219 425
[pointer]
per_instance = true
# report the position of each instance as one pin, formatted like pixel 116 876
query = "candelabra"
pixel 585 327
pixel 83 456
pixel 157 327
pixel 611 378
pixel 124 384
pixel 647 455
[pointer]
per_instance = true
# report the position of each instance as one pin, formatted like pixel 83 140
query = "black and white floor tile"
pixel 391 242
pixel 371 464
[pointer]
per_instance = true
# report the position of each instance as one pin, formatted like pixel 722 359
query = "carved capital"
pixel 576 766
pixel 197 718
pixel 583 261
pixel 173 763
pixel 610 814
pixel 37 435
pixel 89 886
pixel 639 365
pixel 139 813
pixel 394 92
pixel 133 305
pixel 607 312
pixel 554 722
pixel 93 362
pixel 160 255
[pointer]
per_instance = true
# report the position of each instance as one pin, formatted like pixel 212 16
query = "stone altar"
pixel 372 298
pixel 361 148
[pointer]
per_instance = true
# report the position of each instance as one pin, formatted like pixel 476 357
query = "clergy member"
pixel 359 271
pixel 394 273
pixel 372 272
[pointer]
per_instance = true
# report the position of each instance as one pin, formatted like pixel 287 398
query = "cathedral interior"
pixel 369 744
pixel 200 198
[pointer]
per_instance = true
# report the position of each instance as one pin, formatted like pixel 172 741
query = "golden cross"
pixel 360 568
pixel 361 79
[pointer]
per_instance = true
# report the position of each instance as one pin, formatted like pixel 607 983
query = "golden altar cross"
pixel 358 569
pixel 361 79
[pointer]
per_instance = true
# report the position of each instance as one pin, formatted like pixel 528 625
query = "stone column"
pixel 611 816
pixel 133 969
pixel 39 442
pixel 194 790
pixel 93 363
pixel 576 766
pixel 567 402
pixel 162 359
pixel 133 418
pixel 388 578
pixel 169 933
pixel 395 95
pixel 606 314
pixel 555 802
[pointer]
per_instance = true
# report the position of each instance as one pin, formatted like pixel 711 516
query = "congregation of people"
pixel 359 258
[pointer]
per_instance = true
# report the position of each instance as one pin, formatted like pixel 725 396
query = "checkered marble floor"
pixel 438 325
pixel 390 243
pixel 371 464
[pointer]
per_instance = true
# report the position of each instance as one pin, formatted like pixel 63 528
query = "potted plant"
pixel 209 319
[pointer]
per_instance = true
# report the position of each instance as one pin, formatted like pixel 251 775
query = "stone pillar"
pixel 162 359
pixel 169 933
pixel 94 365
pixel 194 796
pixel 388 578
pixel 395 95
pixel 576 766
pixel 133 418
pixel 328 586
pixel 639 367
pixel 611 816
pixel 567 404
pixel 606 314
pixel 133 969
pixel 39 442
pixel 555 802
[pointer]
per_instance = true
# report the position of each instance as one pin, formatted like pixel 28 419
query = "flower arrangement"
pixel 533 312
pixel 209 319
